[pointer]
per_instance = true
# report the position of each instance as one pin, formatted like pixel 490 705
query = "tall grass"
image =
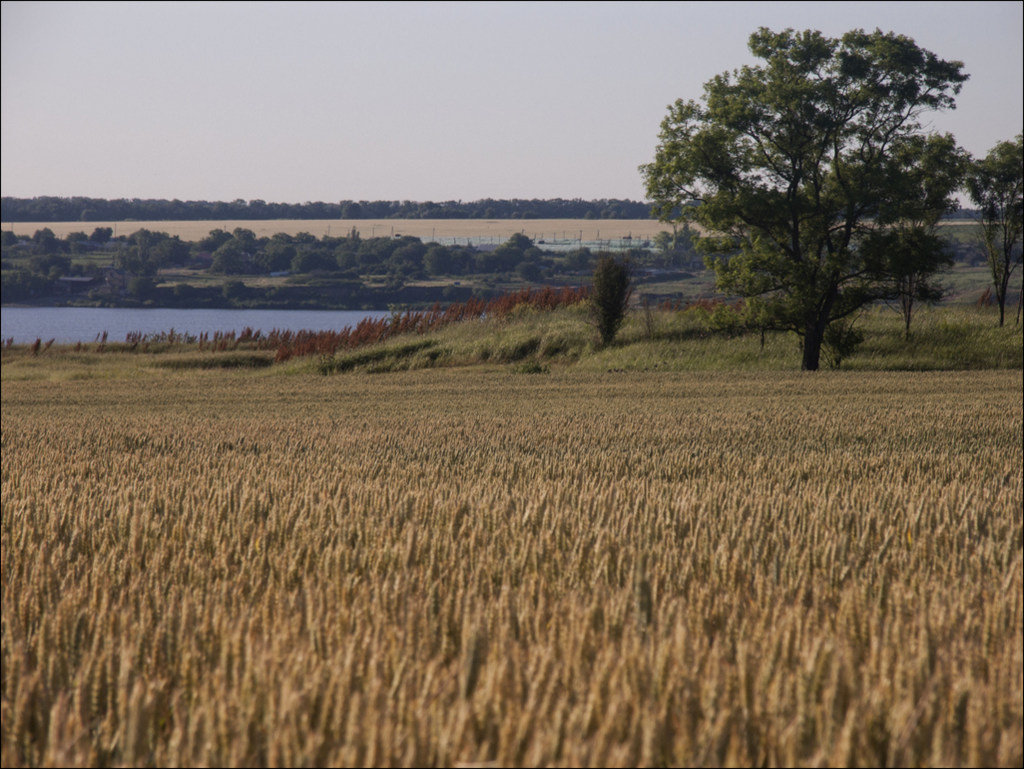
pixel 444 567
pixel 371 331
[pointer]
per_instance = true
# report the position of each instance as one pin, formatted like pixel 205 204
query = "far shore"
pixel 425 229
pixel 498 230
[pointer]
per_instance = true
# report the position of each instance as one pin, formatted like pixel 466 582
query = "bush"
pixel 840 341
pixel 234 290
pixel 141 287
pixel 611 294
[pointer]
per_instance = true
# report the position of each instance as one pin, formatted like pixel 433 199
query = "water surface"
pixel 68 325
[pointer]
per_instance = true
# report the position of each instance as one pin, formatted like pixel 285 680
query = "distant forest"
pixel 77 209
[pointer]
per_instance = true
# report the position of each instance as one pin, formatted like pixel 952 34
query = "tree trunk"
pixel 907 303
pixel 813 335
pixel 1001 288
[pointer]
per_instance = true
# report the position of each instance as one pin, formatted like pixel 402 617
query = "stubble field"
pixel 457 566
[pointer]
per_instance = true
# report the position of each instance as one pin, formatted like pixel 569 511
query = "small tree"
pixel 141 287
pixel 276 257
pixel 995 184
pixel 230 258
pixel 46 242
pixel 101 235
pixel 234 290
pixel 914 257
pixel 612 289
pixel 904 249
pixel 676 248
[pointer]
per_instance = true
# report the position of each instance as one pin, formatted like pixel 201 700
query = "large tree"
pixel 995 184
pixel 788 165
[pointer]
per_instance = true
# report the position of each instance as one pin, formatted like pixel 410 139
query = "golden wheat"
pixel 445 567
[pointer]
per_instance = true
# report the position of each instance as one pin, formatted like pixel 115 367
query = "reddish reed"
pixel 289 344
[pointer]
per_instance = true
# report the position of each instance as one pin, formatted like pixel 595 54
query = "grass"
pixel 454 566
pixel 225 360
pixel 948 337
pixel 940 338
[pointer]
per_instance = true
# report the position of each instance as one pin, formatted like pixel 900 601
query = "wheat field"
pixel 426 229
pixel 457 567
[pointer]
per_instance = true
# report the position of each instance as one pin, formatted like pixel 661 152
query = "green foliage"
pixel 214 240
pixel 170 251
pixel 906 251
pixel 228 360
pixel 184 294
pixel 135 261
pixel 579 259
pixel 438 261
pixel 945 338
pixel 676 248
pixel 518 242
pixel 51 265
pixel 276 256
pixel 529 271
pixel 74 240
pixel 784 163
pixel 245 238
pixel 913 258
pixel 230 258
pixel 313 259
pixel 516 349
pixel 20 285
pixel 234 290
pixel 841 340
pixel 101 235
pixel 507 256
pixel 45 241
pixel 385 357
pixel 612 289
pixel 141 287
pixel 996 184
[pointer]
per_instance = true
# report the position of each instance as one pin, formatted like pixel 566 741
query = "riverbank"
pixel 528 340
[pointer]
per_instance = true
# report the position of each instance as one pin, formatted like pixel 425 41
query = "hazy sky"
pixel 301 102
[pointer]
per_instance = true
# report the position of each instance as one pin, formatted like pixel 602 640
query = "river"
pixel 67 325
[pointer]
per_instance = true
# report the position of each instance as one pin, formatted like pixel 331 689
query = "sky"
pixel 295 102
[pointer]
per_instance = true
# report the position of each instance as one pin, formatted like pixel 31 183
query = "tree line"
pixel 33 269
pixel 82 209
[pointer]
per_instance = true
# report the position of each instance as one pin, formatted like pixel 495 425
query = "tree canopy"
pixel 787 167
